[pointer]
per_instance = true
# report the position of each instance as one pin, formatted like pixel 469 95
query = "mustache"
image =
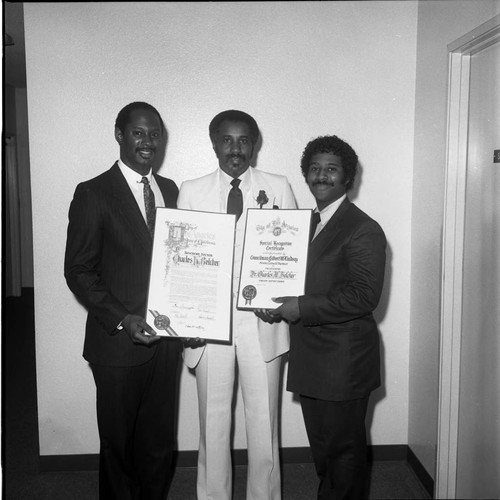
pixel 325 183
pixel 145 149
pixel 236 155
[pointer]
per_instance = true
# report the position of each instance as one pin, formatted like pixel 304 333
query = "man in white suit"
pixel 256 346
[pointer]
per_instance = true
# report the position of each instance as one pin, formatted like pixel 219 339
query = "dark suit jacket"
pixel 334 348
pixel 107 263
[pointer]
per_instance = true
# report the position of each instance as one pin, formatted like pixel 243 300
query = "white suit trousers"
pixel 259 382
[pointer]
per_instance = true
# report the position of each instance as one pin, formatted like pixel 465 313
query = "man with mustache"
pixel 256 346
pixel 334 342
pixel 107 263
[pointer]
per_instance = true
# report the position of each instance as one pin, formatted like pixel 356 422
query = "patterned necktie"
pixel 315 220
pixel 235 199
pixel 149 202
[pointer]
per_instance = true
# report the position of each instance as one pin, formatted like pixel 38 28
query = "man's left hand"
pixel 193 343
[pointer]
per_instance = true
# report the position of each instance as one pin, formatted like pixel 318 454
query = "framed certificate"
pixel 191 274
pixel 274 257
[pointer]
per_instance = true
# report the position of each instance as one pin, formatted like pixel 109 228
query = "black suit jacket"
pixel 107 262
pixel 334 348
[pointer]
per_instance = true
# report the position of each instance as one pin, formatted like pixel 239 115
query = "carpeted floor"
pixel 23 481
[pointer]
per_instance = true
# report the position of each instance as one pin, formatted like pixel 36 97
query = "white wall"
pixel 439 23
pixel 302 69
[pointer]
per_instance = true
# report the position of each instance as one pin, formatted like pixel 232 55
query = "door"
pixel 12 272
pixel 478 460
pixel 469 420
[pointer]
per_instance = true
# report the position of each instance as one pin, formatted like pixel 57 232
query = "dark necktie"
pixel 315 220
pixel 235 199
pixel 149 202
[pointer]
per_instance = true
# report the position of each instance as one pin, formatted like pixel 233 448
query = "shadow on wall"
pixel 354 192
pixel 379 314
pixel 161 152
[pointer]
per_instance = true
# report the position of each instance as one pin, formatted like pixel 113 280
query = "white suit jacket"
pixel 206 194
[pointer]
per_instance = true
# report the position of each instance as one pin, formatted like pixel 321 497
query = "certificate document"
pixel 191 274
pixel 274 256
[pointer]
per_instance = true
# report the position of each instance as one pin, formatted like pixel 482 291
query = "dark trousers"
pixel 136 417
pixel 337 435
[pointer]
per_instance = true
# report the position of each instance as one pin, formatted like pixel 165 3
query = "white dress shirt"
pixel 225 183
pixel 327 213
pixel 137 187
pixel 225 187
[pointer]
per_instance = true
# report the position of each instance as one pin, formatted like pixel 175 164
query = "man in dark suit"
pixel 107 264
pixel 334 359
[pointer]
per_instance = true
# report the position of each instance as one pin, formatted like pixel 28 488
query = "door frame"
pixel 459 59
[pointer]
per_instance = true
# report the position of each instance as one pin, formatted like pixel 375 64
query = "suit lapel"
pixel 165 194
pixel 168 191
pixel 328 234
pixel 259 183
pixel 128 208
pixel 209 195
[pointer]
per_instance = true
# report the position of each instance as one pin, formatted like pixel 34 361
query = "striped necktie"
pixel 149 202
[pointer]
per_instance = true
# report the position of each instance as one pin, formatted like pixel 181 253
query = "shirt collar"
pixel 131 175
pixel 327 213
pixel 226 179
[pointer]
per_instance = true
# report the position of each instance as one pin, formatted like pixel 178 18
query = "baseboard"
pixel 51 463
pixel 297 455
pixel 68 463
pixel 381 452
pixel 420 471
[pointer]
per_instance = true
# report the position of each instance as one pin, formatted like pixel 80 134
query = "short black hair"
pixel 123 117
pixel 233 115
pixel 332 144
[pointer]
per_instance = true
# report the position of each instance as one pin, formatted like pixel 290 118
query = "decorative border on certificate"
pixel 274 256
pixel 190 284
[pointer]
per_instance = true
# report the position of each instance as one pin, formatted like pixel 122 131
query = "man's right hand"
pixel 138 330
pixel 267 315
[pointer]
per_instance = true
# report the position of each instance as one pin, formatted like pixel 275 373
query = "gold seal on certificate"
pixel 274 256
pixel 191 274
pixel 249 292
pixel 162 322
